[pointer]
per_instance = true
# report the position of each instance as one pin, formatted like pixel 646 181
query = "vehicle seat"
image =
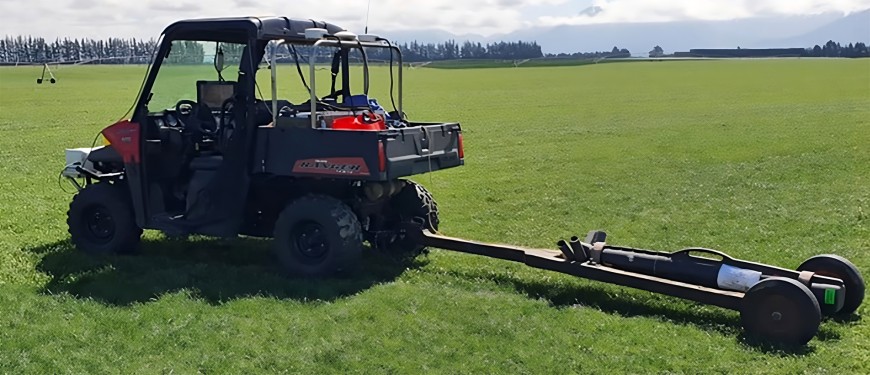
pixel 206 163
pixel 263 110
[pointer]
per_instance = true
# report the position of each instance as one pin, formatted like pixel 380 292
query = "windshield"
pixel 189 62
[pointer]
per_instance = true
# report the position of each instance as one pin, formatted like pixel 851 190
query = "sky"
pixel 147 18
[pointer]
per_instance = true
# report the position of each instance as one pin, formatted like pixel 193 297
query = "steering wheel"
pixel 226 119
pixel 196 117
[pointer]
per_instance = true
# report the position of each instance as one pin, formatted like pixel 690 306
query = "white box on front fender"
pixel 77 157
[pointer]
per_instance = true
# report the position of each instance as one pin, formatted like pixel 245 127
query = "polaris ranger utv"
pixel 201 154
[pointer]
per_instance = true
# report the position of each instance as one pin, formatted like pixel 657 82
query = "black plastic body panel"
pixel 307 152
pixel 425 147
pixel 106 154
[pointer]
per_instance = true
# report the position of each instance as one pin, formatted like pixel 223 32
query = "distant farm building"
pixel 742 52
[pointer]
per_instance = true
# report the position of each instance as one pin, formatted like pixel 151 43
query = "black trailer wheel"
pixel 411 204
pixel 780 310
pixel 840 268
pixel 317 236
pixel 101 221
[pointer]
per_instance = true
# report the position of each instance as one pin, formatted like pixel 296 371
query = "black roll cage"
pixel 255 34
pixel 256 42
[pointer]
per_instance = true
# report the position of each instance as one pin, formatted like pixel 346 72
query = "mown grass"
pixel 765 160
pixel 492 63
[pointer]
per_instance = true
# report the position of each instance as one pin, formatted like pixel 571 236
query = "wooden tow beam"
pixel 775 304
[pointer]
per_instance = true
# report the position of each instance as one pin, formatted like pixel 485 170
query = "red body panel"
pixel 124 138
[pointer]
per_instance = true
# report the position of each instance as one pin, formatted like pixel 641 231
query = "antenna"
pixel 368 9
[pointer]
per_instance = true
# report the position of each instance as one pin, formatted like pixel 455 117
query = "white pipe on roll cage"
pixel 311 70
pixel 401 66
pixel 273 68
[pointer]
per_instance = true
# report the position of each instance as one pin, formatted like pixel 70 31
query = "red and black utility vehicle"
pixel 207 154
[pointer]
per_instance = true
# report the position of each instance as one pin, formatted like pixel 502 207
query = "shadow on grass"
pixel 651 305
pixel 212 270
pixel 222 270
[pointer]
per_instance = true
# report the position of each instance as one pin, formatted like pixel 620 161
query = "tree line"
pixel 831 49
pixel 615 52
pixel 451 50
pixel 29 50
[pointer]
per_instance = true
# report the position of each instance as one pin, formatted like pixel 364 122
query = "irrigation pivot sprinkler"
pixel 46 69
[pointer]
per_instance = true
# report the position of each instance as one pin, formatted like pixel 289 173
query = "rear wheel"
pixel 840 268
pixel 101 221
pixel 317 236
pixel 411 204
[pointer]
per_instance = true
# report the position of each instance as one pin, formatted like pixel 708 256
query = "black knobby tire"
pixel 841 268
pixel 317 236
pixel 780 310
pixel 101 220
pixel 412 203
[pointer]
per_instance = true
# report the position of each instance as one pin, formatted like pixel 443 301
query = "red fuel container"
pixel 366 121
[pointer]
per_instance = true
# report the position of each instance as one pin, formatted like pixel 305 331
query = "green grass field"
pixel 765 160
pixel 530 63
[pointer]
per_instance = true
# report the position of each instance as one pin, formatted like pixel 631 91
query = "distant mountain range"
pixel 640 38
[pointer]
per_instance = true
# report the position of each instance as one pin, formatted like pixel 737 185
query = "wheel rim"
pixel 777 316
pixel 100 224
pixel 310 242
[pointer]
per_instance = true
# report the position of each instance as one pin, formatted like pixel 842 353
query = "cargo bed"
pixel 361 155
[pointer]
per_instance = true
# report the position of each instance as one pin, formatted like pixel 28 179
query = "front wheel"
pixel 780 310
pixel 101 221
pixel 317 236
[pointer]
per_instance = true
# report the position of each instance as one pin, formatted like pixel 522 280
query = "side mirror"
pixel 219 60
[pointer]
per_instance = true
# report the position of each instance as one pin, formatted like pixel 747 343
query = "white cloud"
pixel 610 11
pixel 146 18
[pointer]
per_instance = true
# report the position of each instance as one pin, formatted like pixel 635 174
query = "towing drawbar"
pixel 775 304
